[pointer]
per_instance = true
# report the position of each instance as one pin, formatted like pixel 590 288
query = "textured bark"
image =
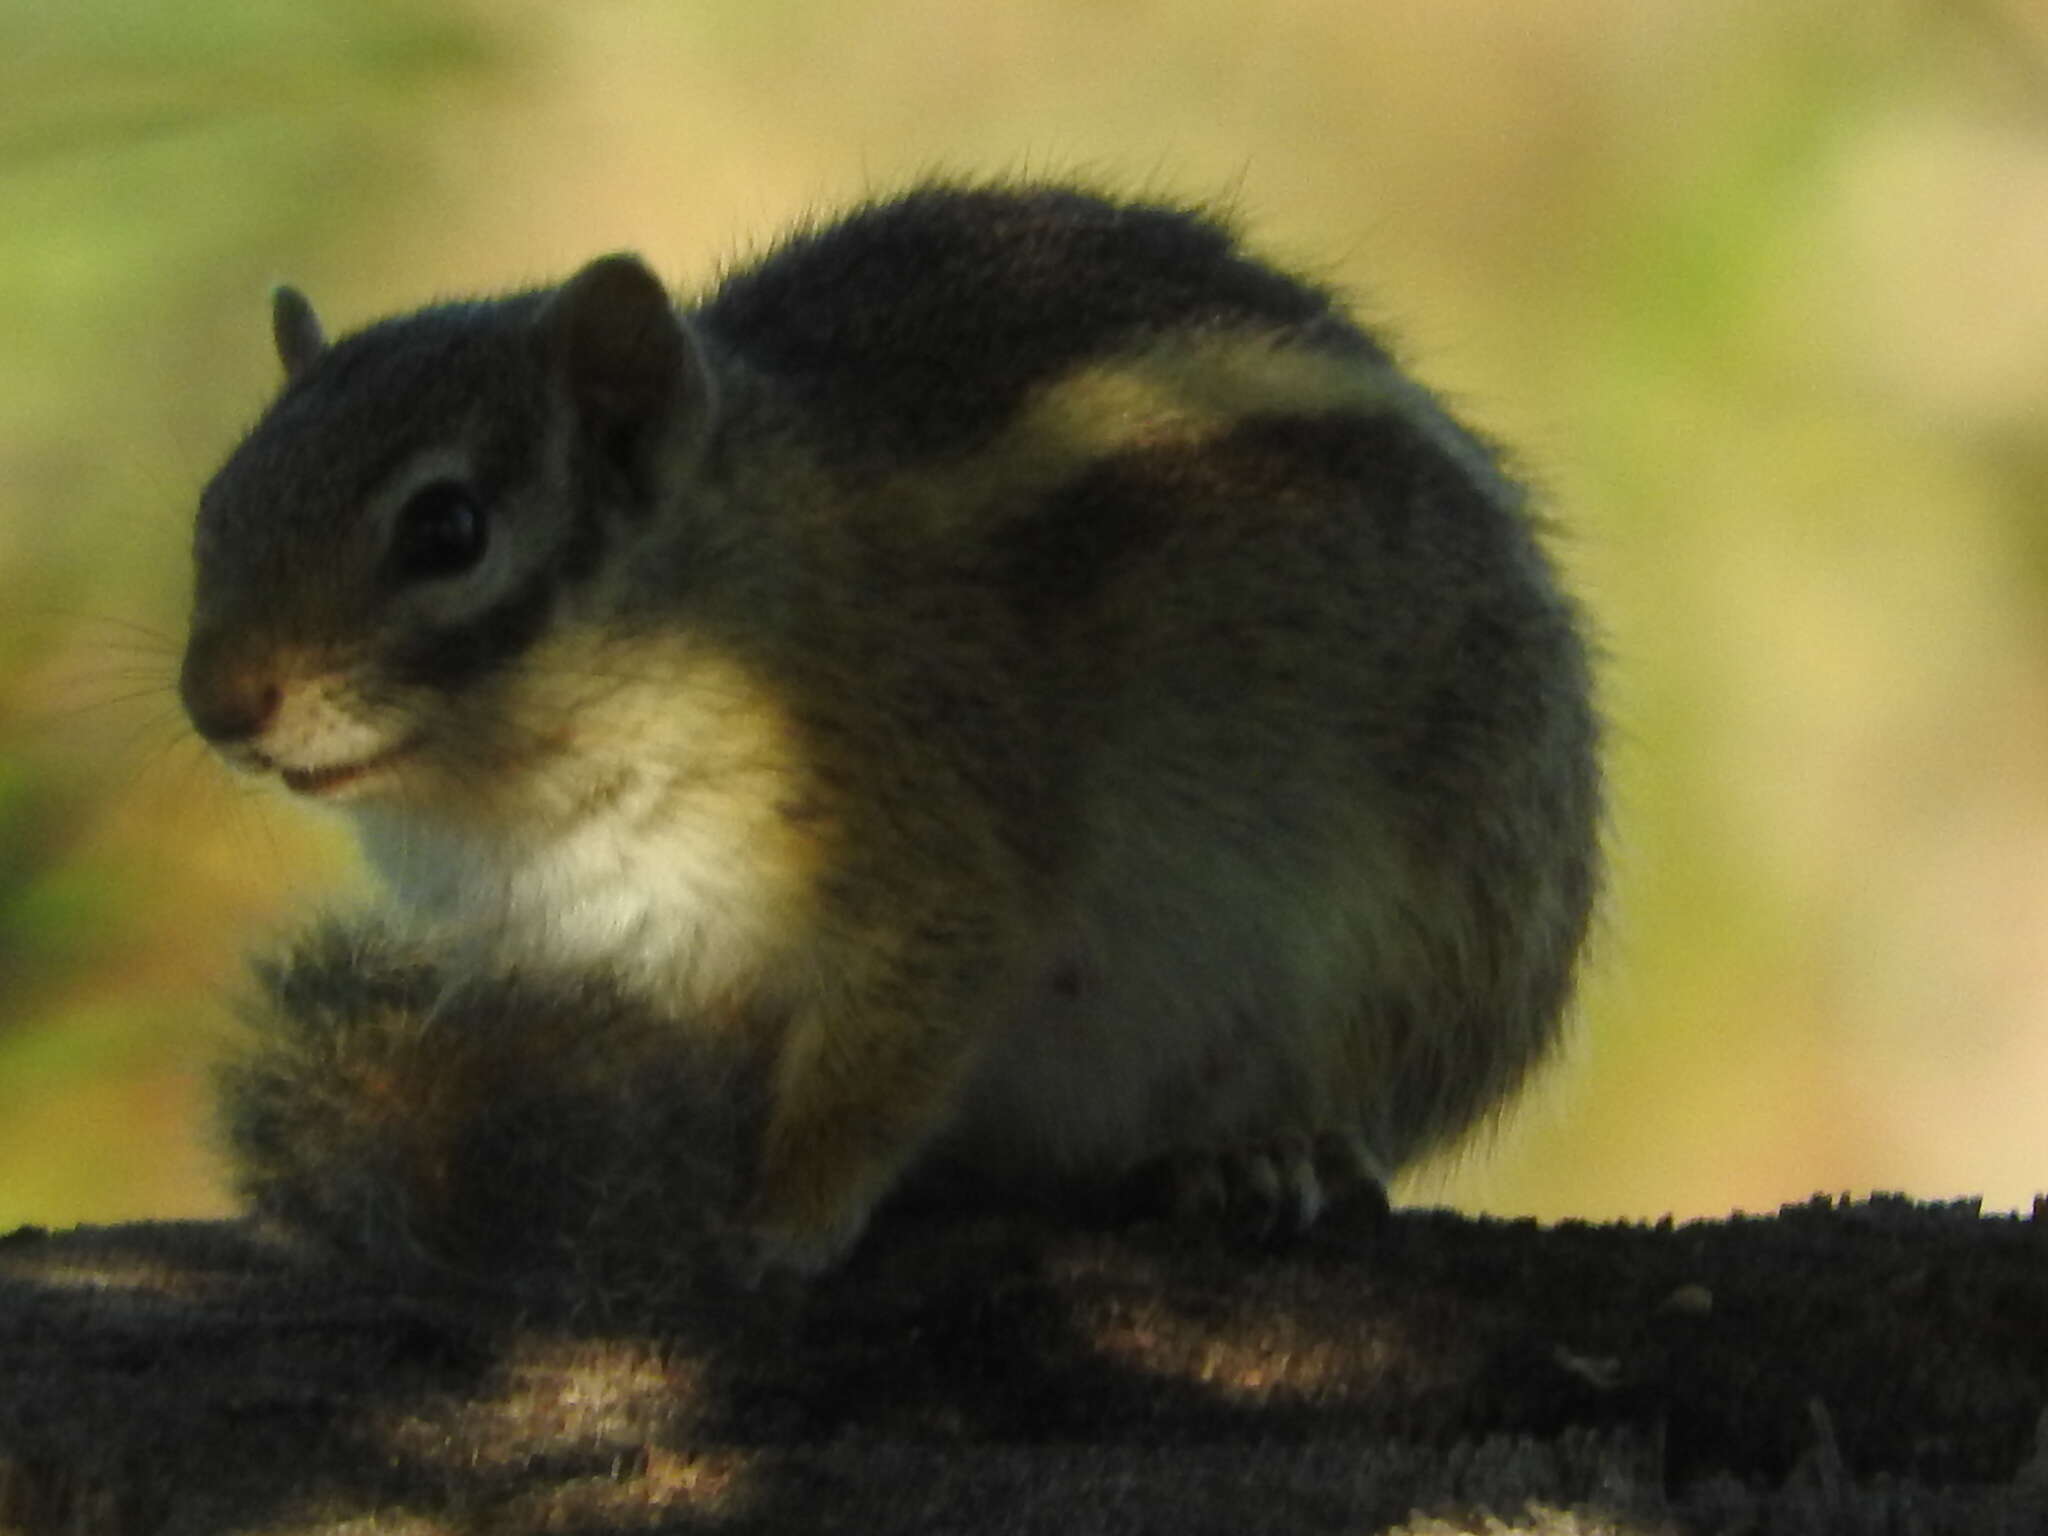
pixel 1880 1366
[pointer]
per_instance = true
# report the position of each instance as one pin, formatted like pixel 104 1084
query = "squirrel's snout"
pixel 227 699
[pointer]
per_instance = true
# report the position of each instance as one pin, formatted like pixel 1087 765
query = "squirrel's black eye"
pixel 440 531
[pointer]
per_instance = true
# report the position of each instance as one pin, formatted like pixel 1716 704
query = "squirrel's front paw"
pixel 762 1254
pixel 799 1240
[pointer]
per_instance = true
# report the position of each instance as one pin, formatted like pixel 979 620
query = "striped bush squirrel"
pixel 1046 681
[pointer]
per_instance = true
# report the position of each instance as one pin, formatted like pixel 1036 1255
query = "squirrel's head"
pixel 417 509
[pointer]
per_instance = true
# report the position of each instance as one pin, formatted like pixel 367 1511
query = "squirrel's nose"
pixel 228 699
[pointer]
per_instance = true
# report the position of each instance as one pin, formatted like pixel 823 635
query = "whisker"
pixel 137 632
pixel 125 650
pixel 53 714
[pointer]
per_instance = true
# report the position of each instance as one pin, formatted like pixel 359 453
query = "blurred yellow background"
pixel 1759 289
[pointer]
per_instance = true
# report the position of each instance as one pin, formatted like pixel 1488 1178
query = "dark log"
pixel 1839 1367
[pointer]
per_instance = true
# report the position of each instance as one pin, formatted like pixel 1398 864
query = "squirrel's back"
pixel 916 326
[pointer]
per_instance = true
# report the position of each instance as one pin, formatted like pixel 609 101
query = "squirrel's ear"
pixel 295 329
pixel 627 358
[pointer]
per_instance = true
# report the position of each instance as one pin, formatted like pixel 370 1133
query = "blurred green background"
pixel 1758 288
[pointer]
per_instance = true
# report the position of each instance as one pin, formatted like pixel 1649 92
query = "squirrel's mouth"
pixel 336 776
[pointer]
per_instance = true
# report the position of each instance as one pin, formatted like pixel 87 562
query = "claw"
pixel 1259 1184
pixel 1305 1199
pixel 1197 1187
pixel 1349 1168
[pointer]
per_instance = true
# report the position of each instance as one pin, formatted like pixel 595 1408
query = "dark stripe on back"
pixel 1371 487
pixel 916 326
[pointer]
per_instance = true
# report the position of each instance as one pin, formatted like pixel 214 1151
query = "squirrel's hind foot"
pixel 1275 1185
